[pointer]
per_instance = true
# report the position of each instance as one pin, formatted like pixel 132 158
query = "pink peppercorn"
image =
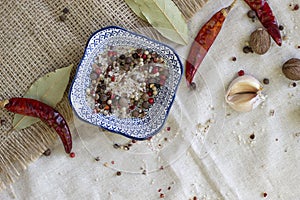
pixel 241 73
pixel 162 82
pixel 155 70
pixel 113 78
pixel 131 107
pixel 151 100
pixel 110 53
pixel 98 71
pixel 72 155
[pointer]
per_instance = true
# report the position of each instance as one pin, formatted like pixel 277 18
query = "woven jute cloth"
pixel 35 41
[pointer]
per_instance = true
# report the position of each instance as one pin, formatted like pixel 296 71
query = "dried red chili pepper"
pixel 203 41
pixel 266 17
pixel 34 108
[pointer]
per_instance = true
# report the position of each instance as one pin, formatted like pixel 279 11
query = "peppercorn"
pixel 266 81
pixel 252 136
pixel 126 148
pixel 139 51
pixel 251 14
pixel 280 27
pixel 135 56
pixel 145 105
pixel 72 155
pixel 118 173
pixel 62 18
pixel 128 60
pixel 265 194
pixel 193 86
pixel 135 113
pixel 233 59
pixel 151 100
pixel 241 73
pixel 122 57
pixel 47 152
pixel 247 49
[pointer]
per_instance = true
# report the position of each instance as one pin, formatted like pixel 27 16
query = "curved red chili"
pixel 34 108
pixel 203 41
pixel 267 18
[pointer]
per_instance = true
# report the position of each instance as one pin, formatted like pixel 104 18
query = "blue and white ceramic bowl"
pixel 135 128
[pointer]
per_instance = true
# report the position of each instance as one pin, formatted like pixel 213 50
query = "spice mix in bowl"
pixel 125 83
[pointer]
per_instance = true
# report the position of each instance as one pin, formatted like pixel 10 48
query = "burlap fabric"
pixel 34 41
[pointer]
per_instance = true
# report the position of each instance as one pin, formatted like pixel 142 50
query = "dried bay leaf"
pixel 135 8
pixel 48 89
pixel 165 17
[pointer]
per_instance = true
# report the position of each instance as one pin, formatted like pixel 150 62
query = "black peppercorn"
pixel 252 136
pixel 62 18
pixel 281 27
pixel 122 57
pixel 139 51
pixel 128 60
pixel 251 14
pixel 135 56
pixel 266 81
pixel 193 86
pixel 247 49
pixel 47 152
pixel 118 173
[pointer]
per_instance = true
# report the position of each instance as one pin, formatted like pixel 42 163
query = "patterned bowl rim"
pixel 128 135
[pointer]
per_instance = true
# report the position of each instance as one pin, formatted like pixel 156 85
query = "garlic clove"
pixel 244 93
pixel 245 102
pixel 243 84
pixel 241 98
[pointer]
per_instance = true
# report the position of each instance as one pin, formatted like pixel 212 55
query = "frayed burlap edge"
pixel 28 145
pixel 20 148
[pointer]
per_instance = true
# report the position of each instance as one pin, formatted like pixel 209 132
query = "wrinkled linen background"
pixel 209 153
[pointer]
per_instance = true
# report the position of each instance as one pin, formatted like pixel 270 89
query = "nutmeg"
pixel 260 41
pixel 291 69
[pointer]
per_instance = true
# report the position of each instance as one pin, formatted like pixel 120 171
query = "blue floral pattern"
pixel 136 128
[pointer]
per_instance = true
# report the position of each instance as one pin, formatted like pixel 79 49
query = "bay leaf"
pixel 165 17
pixel 136 9
pixel 48 89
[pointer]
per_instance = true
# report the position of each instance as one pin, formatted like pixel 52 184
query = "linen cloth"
pixel 208 153
pixel 38 37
